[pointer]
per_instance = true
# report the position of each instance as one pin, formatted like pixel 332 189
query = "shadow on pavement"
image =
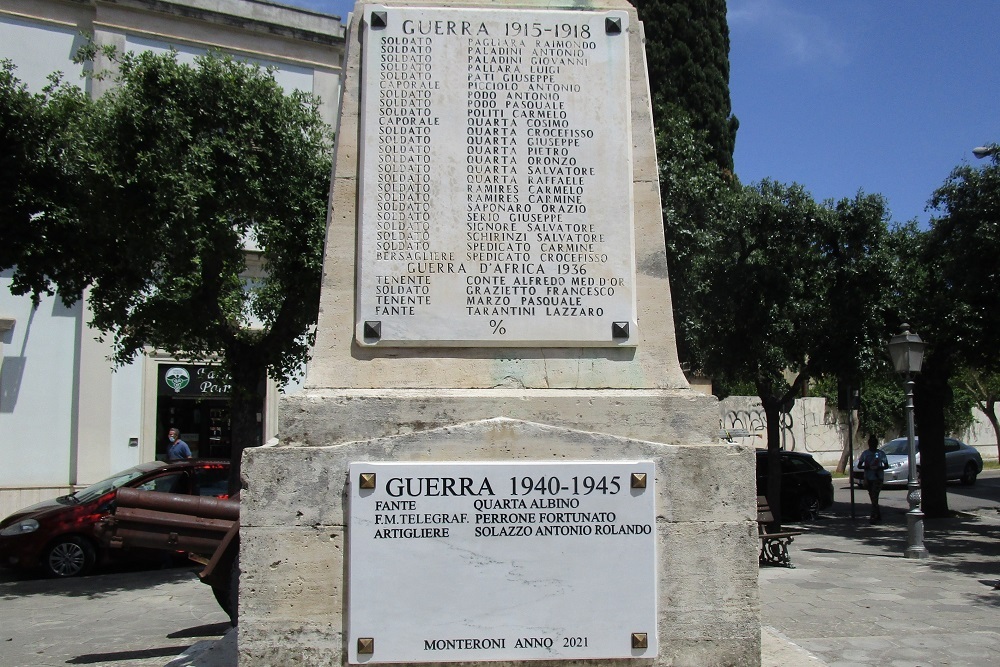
pixel 209 630
pixel 125 657
pixel 979 491
pixel 966 544
pixel 16 585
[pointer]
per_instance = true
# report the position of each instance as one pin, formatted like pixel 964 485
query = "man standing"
pixel 178 449
pixel 874 462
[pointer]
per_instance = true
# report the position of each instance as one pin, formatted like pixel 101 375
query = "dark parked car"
pixel 806 486
pixel 60 536
pixel 962 462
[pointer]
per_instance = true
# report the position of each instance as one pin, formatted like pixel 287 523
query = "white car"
pixel 962 462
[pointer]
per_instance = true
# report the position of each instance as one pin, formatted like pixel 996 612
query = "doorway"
pixel 192 399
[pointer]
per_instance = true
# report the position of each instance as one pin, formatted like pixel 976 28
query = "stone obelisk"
pixel 496 308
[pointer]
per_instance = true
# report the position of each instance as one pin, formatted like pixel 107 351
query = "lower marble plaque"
pixel 453 562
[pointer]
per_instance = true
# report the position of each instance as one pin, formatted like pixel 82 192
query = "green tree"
pixel 857 305
pixel 32 137
pixel 21 136
pixel 197 222
pixel 697 201
pixel 777 288
pixel 687 56
pixel 860 279
pixel 950 296
pixel 966 239
pixel 760 286
pixel 983 389
pixel 882 401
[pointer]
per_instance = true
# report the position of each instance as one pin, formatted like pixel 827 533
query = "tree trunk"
pixel 931 395
pixel 772 413
pixel 846 464
pixel 991 414
pixel 249 385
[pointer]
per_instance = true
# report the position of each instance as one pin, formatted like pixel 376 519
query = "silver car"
pixel 961 461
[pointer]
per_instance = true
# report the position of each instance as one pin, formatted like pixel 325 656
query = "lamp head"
pixel 907 351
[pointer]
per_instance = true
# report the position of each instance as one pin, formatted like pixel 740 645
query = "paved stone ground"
pixel 124 618
pixel 853 599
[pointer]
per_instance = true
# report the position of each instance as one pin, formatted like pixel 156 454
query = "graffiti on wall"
pixel 754 421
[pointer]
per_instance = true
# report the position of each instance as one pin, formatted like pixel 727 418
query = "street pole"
pixel 907 352
pixel 850 445
pixel 915 517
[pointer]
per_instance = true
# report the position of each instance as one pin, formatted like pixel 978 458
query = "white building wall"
pixel 810 427
pixel 40 48
pixel 126 418
pixel 37 379
pixel 38 369
pixel 67 416
pixel 290 77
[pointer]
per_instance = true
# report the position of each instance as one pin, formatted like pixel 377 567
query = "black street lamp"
pixel 907 352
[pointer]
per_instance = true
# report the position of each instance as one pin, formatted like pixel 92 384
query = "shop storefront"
pixel 195 399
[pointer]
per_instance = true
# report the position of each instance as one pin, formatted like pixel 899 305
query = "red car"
pixel 60 536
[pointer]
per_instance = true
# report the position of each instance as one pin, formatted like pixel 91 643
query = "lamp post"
pixel 985 151
pixel 907 352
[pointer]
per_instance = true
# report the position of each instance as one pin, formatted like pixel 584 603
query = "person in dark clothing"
pixel 873 462
pixel 178 449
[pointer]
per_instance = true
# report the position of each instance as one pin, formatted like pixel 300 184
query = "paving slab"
pixel 852 597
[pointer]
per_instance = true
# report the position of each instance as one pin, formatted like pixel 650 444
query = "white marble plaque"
pixel 501 561
pixel 495 194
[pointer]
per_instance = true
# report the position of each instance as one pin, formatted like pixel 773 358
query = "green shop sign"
pixel 191 380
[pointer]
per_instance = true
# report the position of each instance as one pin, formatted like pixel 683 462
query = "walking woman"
pixel 874 462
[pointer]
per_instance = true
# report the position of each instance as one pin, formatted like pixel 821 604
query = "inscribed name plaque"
pixel 495 183
pixel 501 561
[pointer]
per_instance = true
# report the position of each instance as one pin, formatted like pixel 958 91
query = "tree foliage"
pixel 949 295
pixel 697 202
pixel 983 390
pixel 687 56
pixel 965 241
pixel 776 288
pixel 195 220
pixel 32 138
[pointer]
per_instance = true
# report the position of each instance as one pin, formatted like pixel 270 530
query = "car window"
pixel 811 464
pixel 795 464
pixel 172 483
pixel 211 481
pixel 950 446
pixel 897 447
pixel 102 487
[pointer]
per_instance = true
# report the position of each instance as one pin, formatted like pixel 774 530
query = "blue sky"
pixel 883 96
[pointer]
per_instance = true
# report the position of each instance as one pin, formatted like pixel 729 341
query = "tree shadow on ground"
pixel 207 630
pixel 126 657
pixel 964 544
pixel 99 585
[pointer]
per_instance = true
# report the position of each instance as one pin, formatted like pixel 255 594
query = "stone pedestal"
pixel 501 400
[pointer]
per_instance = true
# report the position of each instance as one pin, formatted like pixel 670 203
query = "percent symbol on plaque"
pixel 498 327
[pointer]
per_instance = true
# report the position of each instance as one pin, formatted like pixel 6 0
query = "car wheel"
pixel 69 557
pixel 969 476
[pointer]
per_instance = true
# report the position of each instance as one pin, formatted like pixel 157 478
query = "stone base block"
pixel 293 606
pixel 321 417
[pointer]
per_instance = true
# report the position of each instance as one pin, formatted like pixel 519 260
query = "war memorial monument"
pixel 496 456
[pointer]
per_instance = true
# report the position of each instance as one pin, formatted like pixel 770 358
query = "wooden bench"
pixel 773 546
